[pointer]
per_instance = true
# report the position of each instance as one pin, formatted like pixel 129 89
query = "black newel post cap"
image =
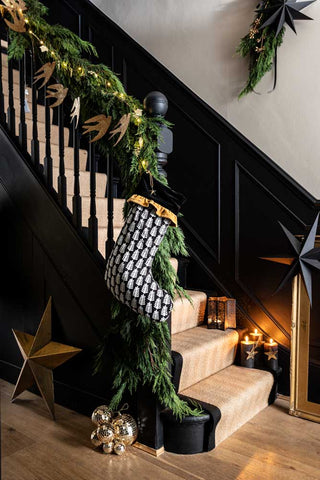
pixel 156 104
pixel 160 193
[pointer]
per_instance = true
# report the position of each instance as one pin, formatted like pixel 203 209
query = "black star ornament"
pixel 305 255
pixel 285 11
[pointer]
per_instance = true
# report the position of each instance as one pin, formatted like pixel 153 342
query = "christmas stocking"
pixel 128 272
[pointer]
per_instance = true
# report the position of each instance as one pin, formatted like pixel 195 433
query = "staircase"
pixel 204 360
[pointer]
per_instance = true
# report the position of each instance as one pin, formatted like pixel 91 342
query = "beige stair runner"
pixel 204 352
pixel 240 393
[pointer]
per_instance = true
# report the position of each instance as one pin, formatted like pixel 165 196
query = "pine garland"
pixel 140 347
pixel 260 46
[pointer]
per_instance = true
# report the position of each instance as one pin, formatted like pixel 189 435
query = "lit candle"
pixel 256 336
pixel 271 354
pixel 248 352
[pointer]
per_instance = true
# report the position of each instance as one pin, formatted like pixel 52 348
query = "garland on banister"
pixel 266 35
pixel 140 347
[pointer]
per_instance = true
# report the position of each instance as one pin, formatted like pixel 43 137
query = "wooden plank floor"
pixel 273 445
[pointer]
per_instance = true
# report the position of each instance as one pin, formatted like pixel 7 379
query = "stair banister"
pixel 11 121
pixel 93 221
pixel 22 122
pixel 2 112
pixel 62 181
pixel 156 105
pixel 47 159
pixel 35 140
pixel 76 200
pixel 110 193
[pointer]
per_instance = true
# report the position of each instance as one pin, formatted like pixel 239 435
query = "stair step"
pixel 204 352
pixel 240 393
pixel 186 315
pixel 101 180
pixel 68 156
pixel 102 209
pixel 54 132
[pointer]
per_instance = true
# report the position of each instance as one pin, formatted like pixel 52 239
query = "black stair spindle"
pixel 2 112
pixel 62 181
pixel 76 200
pixel 47 159
pixel 93 221
pixel 110 192
pixel 11 114
pixel 22 123
pixel 35 140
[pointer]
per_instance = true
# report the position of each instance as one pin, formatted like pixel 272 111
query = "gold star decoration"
pixel 41 356
pixel 271 354
pixel 251 353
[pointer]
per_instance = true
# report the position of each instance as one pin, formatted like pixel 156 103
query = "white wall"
pixel 196 40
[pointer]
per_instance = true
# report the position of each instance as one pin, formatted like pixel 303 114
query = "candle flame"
pixel 246 338
pixel 271 340
pixel 256 331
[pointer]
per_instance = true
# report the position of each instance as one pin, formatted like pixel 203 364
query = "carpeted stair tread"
pixel 187 315
pixel 101 182
pixel 102 210
pixel 204 352
pixel 54 131
pixel 240 393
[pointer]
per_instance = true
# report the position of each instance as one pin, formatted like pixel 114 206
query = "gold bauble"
pixel 125 428
pixel 94 439
pixel 119 448
pixel 107 447
pixel 101 415
pixel 105 433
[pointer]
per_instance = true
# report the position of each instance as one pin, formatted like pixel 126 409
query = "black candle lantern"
pixel 221 313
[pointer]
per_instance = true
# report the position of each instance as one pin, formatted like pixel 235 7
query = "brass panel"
pixel 300 406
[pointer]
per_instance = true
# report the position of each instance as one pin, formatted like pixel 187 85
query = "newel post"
pixel 156 105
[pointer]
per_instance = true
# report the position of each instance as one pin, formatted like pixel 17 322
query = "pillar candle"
pixel 248 353
pixel 271 354
pixel 256 336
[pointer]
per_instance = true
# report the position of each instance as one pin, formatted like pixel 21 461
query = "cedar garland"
pixel 139 347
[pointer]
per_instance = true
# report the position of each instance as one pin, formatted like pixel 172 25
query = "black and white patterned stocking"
pixel 128 273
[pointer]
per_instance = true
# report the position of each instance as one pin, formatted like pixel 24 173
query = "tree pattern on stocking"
pixel 128 272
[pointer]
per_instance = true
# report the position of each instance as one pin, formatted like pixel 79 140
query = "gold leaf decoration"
pixel 45 72
pixel 75 111
pixel 57 91
pixel 121 127
pixel 102 124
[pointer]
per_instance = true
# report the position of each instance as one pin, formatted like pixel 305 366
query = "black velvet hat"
pixel 154 190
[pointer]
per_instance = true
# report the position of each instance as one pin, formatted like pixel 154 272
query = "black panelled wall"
pixel 235 193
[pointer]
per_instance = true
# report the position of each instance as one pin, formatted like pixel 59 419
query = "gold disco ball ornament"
pixel 105 433
pixel 101 415
pixel 107 447
pixel 119 448
pixel 125 429
pixel 95 439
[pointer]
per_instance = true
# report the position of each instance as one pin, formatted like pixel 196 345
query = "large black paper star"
pixel 305 256
pixel 285 11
